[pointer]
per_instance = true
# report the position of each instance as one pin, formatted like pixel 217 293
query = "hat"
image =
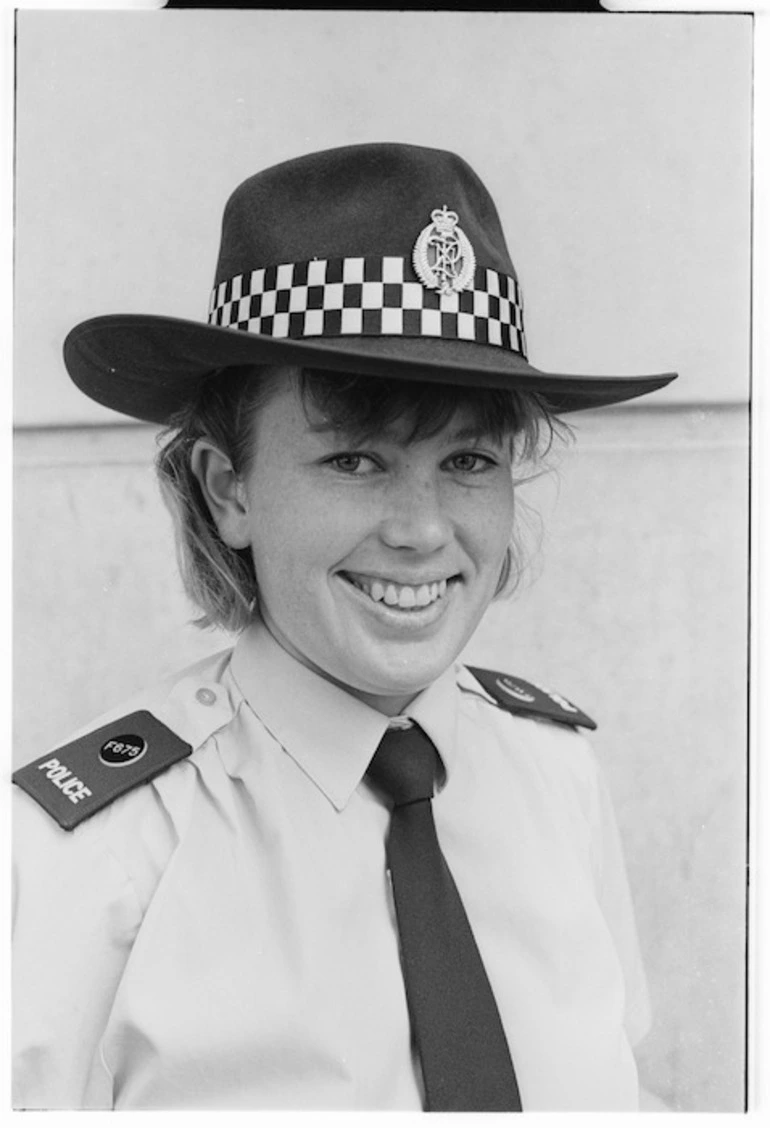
pixel 378 259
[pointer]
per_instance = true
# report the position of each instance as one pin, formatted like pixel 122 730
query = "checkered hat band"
pixel 374 297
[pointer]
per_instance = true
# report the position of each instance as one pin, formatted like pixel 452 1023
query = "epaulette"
pixel 80 778
pixel 518 696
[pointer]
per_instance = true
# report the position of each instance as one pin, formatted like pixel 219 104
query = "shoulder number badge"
pixel 121 750
pixel 443 257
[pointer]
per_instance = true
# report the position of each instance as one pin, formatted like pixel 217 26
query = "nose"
pixel 416 517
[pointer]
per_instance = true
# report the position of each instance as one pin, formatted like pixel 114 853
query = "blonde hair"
pixel 221 580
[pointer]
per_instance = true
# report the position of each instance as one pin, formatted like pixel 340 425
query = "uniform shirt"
pixel 224 936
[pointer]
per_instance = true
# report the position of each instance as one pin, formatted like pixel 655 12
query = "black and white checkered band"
pixel 370 297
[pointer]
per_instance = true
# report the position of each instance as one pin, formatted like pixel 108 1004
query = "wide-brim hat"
pixel 379 259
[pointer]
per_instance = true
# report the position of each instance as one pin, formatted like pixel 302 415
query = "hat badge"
pixel 443 257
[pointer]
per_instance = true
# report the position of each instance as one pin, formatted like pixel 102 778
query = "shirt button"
pixel 206 696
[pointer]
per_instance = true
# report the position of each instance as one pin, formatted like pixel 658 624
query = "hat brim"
pixel 149 367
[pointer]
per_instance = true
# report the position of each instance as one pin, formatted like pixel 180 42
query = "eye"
pixel 351 462
pixel 471 462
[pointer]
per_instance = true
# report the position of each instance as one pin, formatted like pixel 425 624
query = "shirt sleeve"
pixel 616 902
pixel 75 916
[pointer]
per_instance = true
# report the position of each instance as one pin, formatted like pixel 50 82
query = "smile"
pixel 404 596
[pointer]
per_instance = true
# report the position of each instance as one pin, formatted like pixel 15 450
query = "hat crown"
pixel 356 201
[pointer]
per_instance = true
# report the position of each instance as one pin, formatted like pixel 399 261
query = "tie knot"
pixel 405 765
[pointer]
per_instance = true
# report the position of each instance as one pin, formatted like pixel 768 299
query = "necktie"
pixel 465 1059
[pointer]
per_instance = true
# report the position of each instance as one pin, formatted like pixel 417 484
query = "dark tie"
pixel 465 1060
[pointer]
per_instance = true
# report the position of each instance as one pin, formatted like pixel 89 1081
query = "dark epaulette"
pixel 80 778
pixel 518 696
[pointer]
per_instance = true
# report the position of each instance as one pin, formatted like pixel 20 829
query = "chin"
pixel 404 678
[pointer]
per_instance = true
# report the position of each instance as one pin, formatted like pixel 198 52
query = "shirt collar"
pixel 327 731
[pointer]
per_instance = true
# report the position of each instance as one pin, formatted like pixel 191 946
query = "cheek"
pixel 298 538
pixel 492 518
pixel 279 547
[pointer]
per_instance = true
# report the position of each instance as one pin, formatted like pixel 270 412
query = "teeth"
pixel 402 595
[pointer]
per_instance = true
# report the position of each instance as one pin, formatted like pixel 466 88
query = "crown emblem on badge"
pixel 443 257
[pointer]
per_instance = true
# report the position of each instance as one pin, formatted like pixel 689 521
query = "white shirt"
pixel 224 936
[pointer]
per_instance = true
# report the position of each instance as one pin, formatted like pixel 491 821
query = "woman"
pixel 331 868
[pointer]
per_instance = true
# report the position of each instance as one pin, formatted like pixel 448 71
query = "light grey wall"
pixel 617 149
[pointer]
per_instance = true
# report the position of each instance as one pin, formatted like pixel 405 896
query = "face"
pixel 375 561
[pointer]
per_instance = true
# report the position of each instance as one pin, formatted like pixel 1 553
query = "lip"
pixel 405 581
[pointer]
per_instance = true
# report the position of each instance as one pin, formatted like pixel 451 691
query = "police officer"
pixel 332 868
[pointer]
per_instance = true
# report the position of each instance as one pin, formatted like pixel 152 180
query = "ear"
pixel 223 491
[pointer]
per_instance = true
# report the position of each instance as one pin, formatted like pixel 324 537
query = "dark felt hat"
pixel 380 259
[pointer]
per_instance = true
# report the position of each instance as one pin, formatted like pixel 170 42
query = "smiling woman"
pixel 358 875
pixel 400 491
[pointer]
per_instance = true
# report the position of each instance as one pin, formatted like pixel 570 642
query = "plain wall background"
pixel 617 149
